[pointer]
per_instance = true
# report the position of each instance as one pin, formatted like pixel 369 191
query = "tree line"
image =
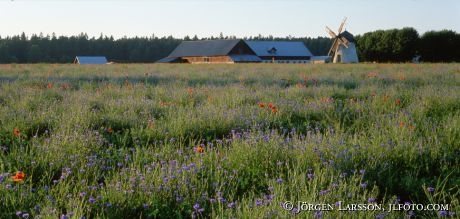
pixel 401 45
pixel 396 45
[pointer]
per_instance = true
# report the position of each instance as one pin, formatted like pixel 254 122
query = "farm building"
pixel 211 51
pixel 238 51
pixel 87 60
pixel 281 51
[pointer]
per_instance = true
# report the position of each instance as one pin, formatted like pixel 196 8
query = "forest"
pixel 394 45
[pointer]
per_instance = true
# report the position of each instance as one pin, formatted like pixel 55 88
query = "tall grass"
pixel 223 141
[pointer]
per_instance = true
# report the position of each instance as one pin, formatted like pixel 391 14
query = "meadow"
pixel 229 141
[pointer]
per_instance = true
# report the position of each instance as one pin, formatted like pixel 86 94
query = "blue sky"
pixel 210 17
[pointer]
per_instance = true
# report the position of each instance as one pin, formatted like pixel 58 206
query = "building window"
pixel 206 59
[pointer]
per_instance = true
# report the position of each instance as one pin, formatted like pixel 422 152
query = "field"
pixel 229 141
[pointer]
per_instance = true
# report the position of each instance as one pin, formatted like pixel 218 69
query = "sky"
pixel 205 18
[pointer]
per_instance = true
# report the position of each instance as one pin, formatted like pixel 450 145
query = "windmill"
pixel 343 49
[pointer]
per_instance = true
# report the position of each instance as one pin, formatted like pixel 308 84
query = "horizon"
pixel 205 18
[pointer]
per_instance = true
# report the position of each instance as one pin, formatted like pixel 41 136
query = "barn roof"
pixel 279 48
pixel 83 60
pixel 204 48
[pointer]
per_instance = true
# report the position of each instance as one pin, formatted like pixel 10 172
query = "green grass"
pixel 119 141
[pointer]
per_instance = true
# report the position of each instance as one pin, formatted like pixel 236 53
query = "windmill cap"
pixel 347 36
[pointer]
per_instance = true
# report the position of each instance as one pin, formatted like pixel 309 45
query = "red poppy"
pixel 274 109
pixel 19 176
pixel 109 130
pixel 402 124
pixel 199 149
pixel 270 105
pixel 261 105
pixel 16 132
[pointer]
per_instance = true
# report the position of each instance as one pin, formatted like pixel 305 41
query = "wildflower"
pixel 430 189
pixel 190 91
pixel 402 124
pixel 92 200
pixel 199 149
pixel 16 132
pixel 261 105
pixel 25 215
pixel 274 109
pixel 270 105
pixel 318 214
pixel 279 180
pixel 258 202
pixel 443 213
pixel 371 199
pixel 19 177
pixel 363 185
pixel 362 171
pixel 398 102
pixel 295 211
pixel 109 130
pixel 231 205
pixel 49 85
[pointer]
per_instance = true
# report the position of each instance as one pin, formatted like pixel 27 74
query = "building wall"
pixel 211 59
pixel 286 59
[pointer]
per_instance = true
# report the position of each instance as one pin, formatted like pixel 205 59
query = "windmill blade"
pixel 333 48
pixel 331 33
pixel 344 41
pixel 341 25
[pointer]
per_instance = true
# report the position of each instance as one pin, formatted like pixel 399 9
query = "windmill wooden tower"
pixel 343 49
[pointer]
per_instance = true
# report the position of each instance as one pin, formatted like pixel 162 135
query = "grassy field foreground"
pixel 228 141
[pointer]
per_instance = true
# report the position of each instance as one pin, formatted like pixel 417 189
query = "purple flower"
pixel 318 214
pixel 363 185
pixel 311 176
pixel 279 180
pixel 92 200
pixel 443 213
pixel 64 216
pixel 25 215
pixel 231 205
pixel 295 211
pixel 19 213
pixel 362 171
pixel 82 194
pixel 258 202
pixel 221 199
pixel 370 200
pixel 212 200
pixel 196 206
pixel 323 192
pixel 430 189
